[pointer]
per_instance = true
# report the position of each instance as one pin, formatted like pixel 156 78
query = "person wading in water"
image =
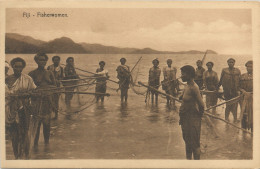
pixel 18 113
pixel 191 112
pixel 44 105
pixel 124 76
pixel 154 79
pixel 229 80
pixel 57 70
pixel 102 76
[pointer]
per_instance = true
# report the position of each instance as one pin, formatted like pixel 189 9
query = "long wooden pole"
pixel 164 94
pixel 91 73
pixel 210 115
pixel 78 92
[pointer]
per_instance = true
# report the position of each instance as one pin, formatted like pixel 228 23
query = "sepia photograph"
pixel 125 83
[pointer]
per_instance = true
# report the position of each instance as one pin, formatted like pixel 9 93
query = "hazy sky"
pixel 228 31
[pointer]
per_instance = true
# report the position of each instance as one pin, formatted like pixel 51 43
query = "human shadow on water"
pixel 100 109
pixel 124 110
pixel 154 116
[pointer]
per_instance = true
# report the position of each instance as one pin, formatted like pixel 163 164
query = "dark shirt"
pixel 246 82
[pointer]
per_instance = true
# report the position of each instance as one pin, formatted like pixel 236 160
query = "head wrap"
pixel 249 62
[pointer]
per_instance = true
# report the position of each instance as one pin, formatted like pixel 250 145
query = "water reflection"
pixel 124 110
pixel 154 116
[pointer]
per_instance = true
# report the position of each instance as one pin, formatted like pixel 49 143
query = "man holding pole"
pixel 229 80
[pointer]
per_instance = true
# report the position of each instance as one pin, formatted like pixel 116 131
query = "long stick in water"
pixel 91 73
pixel 215 117
pixel 78 92
pixel 151 88
pixel 235 98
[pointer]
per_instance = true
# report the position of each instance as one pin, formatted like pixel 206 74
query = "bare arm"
pixel 199 100
pixel 204 80
pixel 221 78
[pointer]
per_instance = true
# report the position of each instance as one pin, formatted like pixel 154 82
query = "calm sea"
pixel 90 61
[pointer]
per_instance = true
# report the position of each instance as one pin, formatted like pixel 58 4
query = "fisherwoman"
pixel 191 112
pixel 70 73
pixel 246 87
pixel 18 108
pixel 57 70
pixel 124 76
pixel 44 105
pixel 210 82
pixel 102 76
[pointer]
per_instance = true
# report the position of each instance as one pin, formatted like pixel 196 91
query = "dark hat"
pixel 249 62
pixel 231 59
pixel 67 60
pixel 210 63
pixel 189 70
pixel 18 59
pixel 40 54
pixel 169 60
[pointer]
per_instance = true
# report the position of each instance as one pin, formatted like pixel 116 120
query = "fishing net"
pixel 137 75
pixel 79 102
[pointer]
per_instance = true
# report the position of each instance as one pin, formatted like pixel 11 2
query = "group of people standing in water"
pixel 22 108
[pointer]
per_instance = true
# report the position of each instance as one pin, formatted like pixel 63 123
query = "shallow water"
pixel 135 130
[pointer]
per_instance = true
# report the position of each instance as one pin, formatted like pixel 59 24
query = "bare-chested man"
pixel 44 79
pixel 191 112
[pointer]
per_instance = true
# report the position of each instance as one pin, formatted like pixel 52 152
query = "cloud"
pixel 223 36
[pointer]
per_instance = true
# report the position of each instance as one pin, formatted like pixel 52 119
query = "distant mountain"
pixel 62 45
pixel 146 51
pixel 16 46
pixel 16 43
pixel 26 39
pixel 101 49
